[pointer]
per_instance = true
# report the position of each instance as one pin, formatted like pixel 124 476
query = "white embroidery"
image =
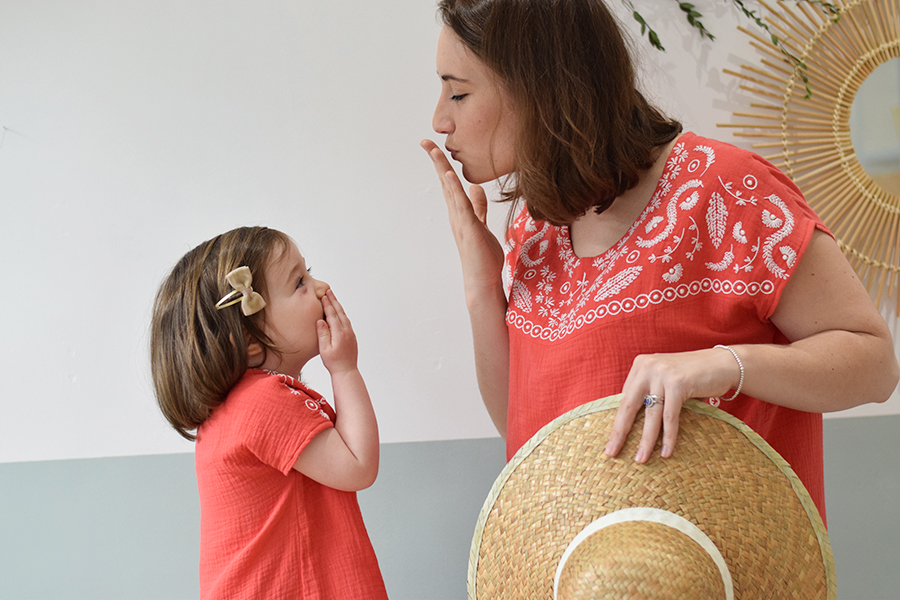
pixel 691 202
pixel 555 293
pixel 618 283
pixel 671 215
pixel 696 241
pixel 748 261
pixel 770 220
pixel 722 264
pixel 777 237
pixel 788 255
pixel 652 224
pixel 521 296
pixel 710 157
pixel 716 218
pixel 555 330
pixel 674 274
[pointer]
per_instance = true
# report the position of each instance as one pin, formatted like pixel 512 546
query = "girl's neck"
pixel 592 234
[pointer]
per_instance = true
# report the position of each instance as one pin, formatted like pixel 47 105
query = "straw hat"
pixel 724 517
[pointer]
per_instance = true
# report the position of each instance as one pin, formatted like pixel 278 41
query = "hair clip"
pixel 251 302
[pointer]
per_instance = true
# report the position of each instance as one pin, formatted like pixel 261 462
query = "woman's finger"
pixel 625 416
pixel 653 419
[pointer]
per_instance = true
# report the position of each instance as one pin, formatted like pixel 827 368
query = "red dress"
pixel 704 264
pixel 266 530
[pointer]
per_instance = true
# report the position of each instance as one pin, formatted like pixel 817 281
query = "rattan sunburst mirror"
pixel 800 120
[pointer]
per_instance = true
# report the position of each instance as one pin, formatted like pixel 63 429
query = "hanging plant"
pixel 694 19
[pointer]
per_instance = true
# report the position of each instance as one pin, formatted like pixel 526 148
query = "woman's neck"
pixel 592 234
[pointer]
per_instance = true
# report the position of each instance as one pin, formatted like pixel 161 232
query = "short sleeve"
pixel 278 420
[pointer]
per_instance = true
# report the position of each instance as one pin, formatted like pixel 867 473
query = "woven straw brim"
pixel 723 477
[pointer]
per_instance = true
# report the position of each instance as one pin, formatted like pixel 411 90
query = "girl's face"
pixel 293 306
pixel 474 112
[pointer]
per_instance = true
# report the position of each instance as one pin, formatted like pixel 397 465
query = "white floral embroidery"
pixel 671 215
pixel 691 202
pixel 777 237
pixel 674 273
pixel 722 264
pixel 788 255
pixel 618 283
pixel 748 261
pixel 770 220
pixel 737 194
pixel 526 247
pixel 716 218
pixel 710 157
pixel 554 293
pixel 521 296
pixel 652 224
pixel 696 240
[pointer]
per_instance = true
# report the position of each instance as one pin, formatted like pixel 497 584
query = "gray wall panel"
pixel 128 528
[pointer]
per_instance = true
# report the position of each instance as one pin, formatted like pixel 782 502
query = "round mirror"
pixel 875 126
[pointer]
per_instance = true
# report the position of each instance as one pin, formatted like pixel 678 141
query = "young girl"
pixel 277 470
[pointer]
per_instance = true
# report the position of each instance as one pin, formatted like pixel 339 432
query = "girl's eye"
pixel 300 281
pixel 457 97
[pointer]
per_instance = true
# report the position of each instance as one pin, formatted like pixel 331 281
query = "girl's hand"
pixel 480 253
pixel 675 378
pixel 337 342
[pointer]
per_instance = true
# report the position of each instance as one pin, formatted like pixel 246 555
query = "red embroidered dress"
pixel 266 530
pixel 704 264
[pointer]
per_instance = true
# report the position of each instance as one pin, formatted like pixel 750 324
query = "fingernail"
pixel 665 452
pixel 609 450
pixel 641 456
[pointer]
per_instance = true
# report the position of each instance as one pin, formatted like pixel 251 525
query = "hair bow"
pixel 251 302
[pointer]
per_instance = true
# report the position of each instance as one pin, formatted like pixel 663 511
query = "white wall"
pixel 132 131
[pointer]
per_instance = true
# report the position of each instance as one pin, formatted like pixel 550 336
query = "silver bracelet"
pixel 740 366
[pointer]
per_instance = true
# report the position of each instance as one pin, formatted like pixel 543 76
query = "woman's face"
pixel 474 112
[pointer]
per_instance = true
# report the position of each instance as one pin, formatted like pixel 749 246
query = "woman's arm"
pixel 481 256
pixel 345 456
pixel 840 356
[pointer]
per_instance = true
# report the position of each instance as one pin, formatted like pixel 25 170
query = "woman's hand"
pixel 840 355
pixel 481 256
pixel 480 252
pixel 674 378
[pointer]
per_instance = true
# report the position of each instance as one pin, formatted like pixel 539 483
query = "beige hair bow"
pixel 251 302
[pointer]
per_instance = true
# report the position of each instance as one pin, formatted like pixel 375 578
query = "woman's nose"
pixel 440 122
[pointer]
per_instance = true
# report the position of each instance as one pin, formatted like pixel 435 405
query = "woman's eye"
pixel 458 97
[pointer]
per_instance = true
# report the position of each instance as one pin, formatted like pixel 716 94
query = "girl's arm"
pixel 840 356
pixel 344 457
pixel 481 256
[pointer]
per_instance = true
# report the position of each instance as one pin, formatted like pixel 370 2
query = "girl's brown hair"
pixel 585 133
pixel 197 352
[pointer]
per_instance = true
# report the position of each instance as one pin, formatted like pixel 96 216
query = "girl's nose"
pixel 321 289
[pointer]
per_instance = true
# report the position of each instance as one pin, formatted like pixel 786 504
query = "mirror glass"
pixel 875 125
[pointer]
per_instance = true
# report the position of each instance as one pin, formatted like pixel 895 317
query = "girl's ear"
pixel 255 352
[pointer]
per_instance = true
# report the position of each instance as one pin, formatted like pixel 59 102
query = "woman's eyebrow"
pixel 453 78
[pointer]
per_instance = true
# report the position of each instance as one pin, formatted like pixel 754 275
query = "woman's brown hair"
pixel 585 133
pixel 197 352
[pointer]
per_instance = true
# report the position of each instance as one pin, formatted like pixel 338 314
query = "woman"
pixel 645 260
